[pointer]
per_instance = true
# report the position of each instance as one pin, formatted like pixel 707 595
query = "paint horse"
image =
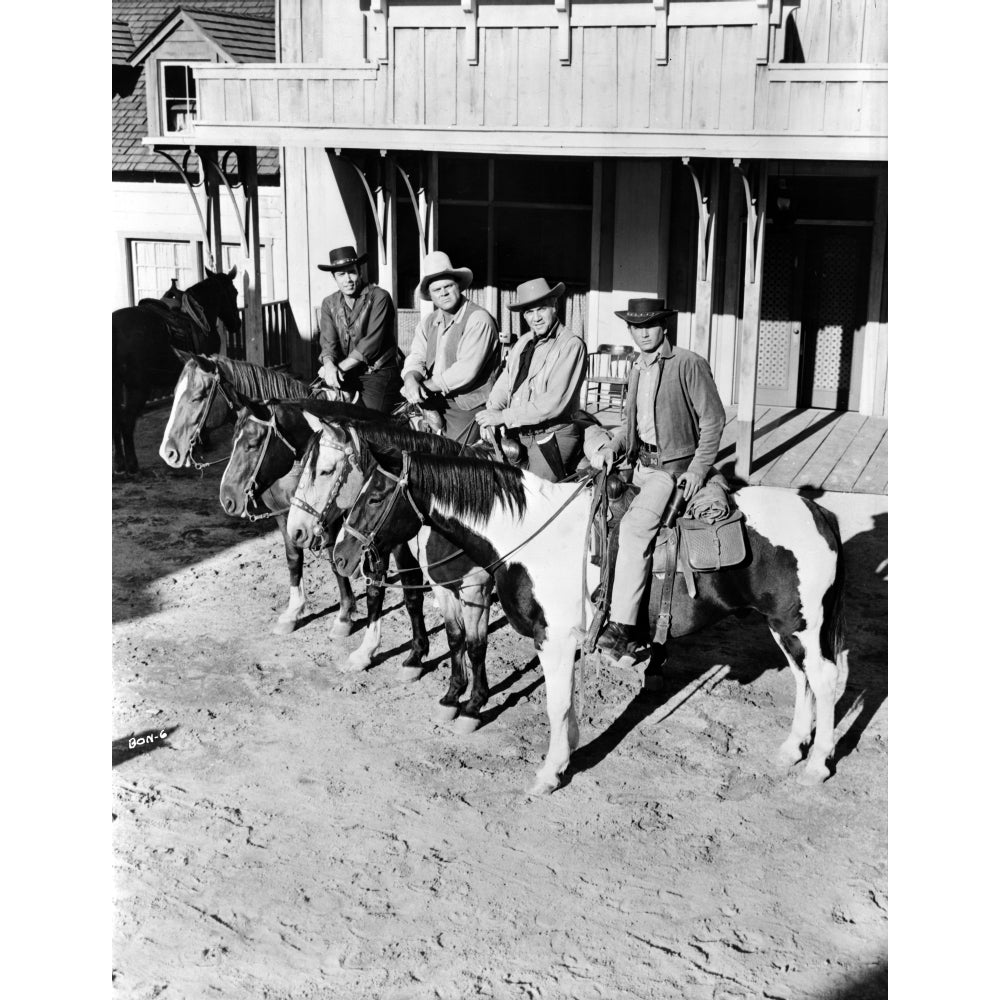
pixel 532 535
pixel 143 355
pixel 461 589
pixel 202 384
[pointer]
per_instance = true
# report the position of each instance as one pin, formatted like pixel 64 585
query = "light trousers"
pixel 635 541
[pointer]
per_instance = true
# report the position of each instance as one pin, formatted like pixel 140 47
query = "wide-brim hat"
pixel 343 257
pixel 645 312
pixel 437 265
pixel 532 292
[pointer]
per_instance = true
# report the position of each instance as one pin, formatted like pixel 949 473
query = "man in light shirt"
pixel 673 425
pixel 538 390
pixel 455 353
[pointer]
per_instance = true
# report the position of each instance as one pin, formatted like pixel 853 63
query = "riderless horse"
pixel 143 342
pixel 533 537
pixel 339 460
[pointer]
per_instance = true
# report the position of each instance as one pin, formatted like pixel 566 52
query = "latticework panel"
pixel 776 311
pixel 835 310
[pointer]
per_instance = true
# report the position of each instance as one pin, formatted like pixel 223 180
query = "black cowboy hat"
pixel 645 312
pixel 341 258
pixel 530 293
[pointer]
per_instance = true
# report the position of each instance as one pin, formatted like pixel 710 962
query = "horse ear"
pixel 232 273
pixel 390 459
pixel 313 421
pixel 184 356
pixel 260 410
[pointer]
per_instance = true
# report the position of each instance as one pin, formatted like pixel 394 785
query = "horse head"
pixel 225 297
pixel 201 402
pixel 332 477
pixel 262 454
pixel 376 509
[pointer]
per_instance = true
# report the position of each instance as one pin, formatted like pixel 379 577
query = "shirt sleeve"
pixel 704 397
pixel 416 359
pixel 378 332
pixel 478 345
pixel 329 345
pixel 557 394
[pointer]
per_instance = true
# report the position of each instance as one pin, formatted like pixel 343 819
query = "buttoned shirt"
pixel 363 328
pixel 646 397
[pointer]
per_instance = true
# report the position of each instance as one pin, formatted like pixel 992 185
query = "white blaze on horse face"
pixel 179 390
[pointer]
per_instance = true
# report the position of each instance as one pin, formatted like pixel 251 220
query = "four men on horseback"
pixel 357 335
pixel 455 353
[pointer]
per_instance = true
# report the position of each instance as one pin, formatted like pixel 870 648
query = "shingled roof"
pixel 242 29
pixel 121 43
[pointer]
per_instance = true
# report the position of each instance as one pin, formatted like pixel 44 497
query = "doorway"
pixel 813 315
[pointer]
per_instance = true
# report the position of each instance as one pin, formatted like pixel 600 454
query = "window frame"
pixel 192 99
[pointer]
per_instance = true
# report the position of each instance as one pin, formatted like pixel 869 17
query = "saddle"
pixel 185 320
pixel 710 540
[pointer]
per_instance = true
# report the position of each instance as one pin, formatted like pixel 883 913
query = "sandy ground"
pixel 306 833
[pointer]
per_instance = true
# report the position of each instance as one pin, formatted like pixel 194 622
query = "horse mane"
pixel 468 487
pixel 378 436
pixel 258 382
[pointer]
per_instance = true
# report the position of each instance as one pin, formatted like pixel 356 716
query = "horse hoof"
pixel 355 663
pixel 542 787
pixel 341 628
pixel 466 725
pixel 409 674
pixel 284 628
pixel 444 713
pixel 810 776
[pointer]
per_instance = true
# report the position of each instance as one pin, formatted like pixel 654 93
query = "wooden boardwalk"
pixel 828 450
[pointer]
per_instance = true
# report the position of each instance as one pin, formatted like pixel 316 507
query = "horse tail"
pixel 832 632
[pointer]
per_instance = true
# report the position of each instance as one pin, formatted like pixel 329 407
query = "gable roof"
pixel 234 37
pixel 128 110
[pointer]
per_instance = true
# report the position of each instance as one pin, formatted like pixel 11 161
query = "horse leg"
pixel 118 425
pixel 289 619
pixel 343 624
pixel 476 621
pixel 412 579
pixel 822 675
pixel 135 399
pixel 557 655
pixel 454 626
pixel 791 751
pixel 361 658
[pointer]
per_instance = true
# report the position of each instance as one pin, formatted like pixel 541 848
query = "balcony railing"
pixel 277 320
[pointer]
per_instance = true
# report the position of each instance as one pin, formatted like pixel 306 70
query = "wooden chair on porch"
pixel 607 374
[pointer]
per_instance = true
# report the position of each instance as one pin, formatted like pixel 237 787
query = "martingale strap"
pixel 251 486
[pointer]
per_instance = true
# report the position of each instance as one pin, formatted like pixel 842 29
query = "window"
pixel 178 99
pixel 155 262
pixel 232 256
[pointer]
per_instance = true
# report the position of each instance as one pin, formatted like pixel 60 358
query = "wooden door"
pixel 836 267
pixel 780 326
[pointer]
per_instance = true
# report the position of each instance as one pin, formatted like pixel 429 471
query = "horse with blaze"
pixel 532 535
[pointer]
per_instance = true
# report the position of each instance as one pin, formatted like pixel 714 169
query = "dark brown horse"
pixel 143 351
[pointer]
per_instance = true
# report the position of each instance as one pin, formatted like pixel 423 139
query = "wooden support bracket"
pixel 470 8
pixel 421 229
pixel 661 9
pixel 752 188
pixel 762 31
pixel 378 27
pixel 705 177
pixel 563 32
pixel 379 228
pixel 182 170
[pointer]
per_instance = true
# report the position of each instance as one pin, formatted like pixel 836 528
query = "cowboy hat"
pixel 532 292
pixel 437 265
pixel 645 312
pixel 341 258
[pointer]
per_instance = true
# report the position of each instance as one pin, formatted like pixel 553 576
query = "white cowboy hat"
pixel 437 265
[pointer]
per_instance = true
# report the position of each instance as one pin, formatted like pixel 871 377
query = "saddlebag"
pixel 710 547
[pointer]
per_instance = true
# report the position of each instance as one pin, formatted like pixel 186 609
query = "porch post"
pixel 253 332
pixel 385 207
pixel 213 210
pixel 295 190
pixel 706 190
pixel 872 401
pixel 754 177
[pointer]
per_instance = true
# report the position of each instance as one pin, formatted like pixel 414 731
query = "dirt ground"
pixel 301 832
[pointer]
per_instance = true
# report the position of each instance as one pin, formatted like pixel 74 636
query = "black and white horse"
pixel 532 535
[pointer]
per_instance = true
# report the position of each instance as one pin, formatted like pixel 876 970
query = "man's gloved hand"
pixel 489 418
pixel 330 374
pixel 690 482
pixel 413 389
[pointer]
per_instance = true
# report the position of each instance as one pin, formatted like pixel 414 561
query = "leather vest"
pixel 478 391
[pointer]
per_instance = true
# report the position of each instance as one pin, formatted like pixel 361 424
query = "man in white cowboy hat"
pixel 357 335
pixel 673 425
pixel 455 353
pixel 538 389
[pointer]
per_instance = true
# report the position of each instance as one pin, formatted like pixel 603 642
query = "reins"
pixel 251 486
pixel 216 380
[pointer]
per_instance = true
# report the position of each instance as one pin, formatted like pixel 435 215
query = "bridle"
pixel 320 441
pixel 402 481
pixel 216 386
pixel 251 486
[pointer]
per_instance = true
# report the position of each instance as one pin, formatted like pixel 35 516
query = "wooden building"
pixel 729 155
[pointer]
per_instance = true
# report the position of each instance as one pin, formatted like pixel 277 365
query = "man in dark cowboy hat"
pixel 539 387
pixel 673 424
pixel 455 353
pixel 357 335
